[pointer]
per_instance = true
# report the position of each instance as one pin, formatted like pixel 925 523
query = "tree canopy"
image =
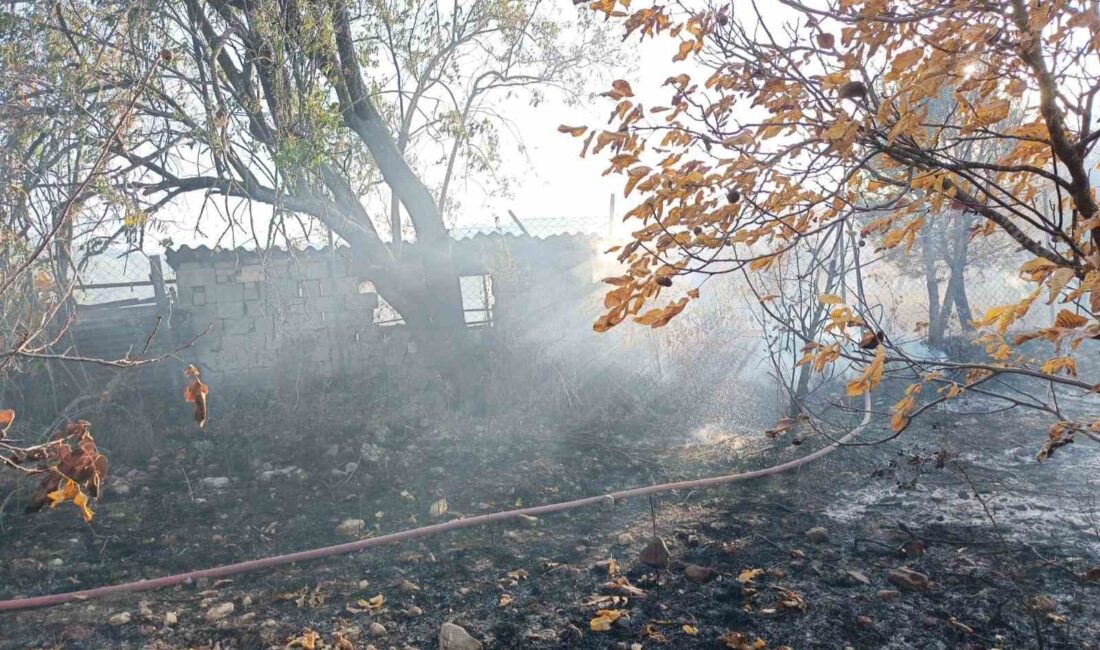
pixel 791 122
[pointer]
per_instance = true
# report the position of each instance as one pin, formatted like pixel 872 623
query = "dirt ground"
pixel 951 537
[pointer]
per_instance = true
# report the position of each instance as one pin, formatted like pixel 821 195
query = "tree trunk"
pixel 958 270
pixel 932 286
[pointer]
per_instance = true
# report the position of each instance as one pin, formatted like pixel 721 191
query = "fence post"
pixel 156 276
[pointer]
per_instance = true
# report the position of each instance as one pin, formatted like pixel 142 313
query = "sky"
pixel 549 180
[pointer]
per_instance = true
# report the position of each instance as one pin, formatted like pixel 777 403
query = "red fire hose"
pixel 424 531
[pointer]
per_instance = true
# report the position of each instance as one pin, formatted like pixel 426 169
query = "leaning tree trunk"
pixel 932 286
pixel 958 270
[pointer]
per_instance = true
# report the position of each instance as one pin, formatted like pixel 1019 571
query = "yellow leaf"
pixel 905 60
pixel 575 131
pixel 691 629
pixel 830 299
pixel 871 376
pixel 686 48
pixel 1069 320
pixel 7 416
pixel 603 620
pixel 439 508
pixel 1060 365
pixel 635 175
pixel 748 575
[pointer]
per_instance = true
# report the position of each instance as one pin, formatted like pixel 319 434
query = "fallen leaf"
pixel 604 618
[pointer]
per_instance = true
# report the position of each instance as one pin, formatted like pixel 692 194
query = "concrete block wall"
pixel 301 315
pixel 274 315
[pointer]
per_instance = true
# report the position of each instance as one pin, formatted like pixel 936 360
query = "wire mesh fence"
pixel 119 277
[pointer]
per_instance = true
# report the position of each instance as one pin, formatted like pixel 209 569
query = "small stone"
pixel 121 618
pixel 696 573
pixel 215 482
pixel 655 554
pixel 864 621
pixel 888 594
pixel 363 584
pixel 608 502
pixel 529 521
pixel 818 535
pixel 57 562
pixel 413 611
pixel 626 539
pixel 246 601
pixel 909 579
pixel 351 467
pixel 350 527
pixel 858 576
pixel 171 619
pixel 454 637
pixel 407 587
pixel 914 548
pixel 218 612
pixel 121 489
pixel 377 629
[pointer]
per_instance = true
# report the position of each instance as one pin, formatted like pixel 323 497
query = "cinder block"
pixel 190 275
pixel 230 310
pixel 251 290
pixel 225 275
pixel 243 325
pixel 316 270
pixel 309 288
pixel 228 292
pixel 251 273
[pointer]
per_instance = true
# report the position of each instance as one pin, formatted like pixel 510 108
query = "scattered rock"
pixel 413 611
pixel 171 619
pixel 57 562
pixel 121 618
pixel 626 539
pixel 544 634
pixel 888 594
pixel 913 548
pixel 350 527
pixel 858 576
pixel 908 579
pixel 121 489
pixel 377 629
pixel 696 573
pixel 864 621
pixel 215 482
pixel 453 637
pixel 655 554
pixel 407 587
pixel 818 535
pixel 246 601
pixel 218 612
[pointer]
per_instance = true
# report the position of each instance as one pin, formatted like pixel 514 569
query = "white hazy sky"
pixel 548 179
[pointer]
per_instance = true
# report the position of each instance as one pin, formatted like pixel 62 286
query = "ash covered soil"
pixel 950 537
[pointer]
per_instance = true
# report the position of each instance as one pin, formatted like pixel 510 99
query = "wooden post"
pixel 156 276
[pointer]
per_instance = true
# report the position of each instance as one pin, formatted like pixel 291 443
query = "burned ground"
pixel 1001 546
